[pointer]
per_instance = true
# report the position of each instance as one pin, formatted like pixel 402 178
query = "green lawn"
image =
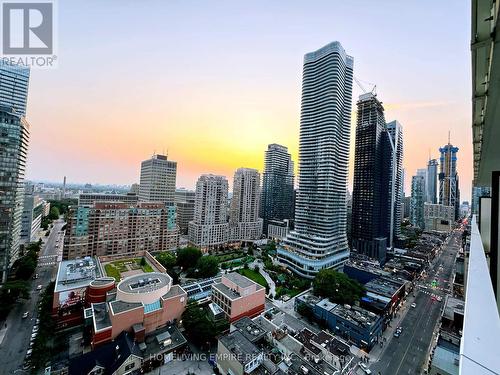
pixel 112 271
pixel 255 276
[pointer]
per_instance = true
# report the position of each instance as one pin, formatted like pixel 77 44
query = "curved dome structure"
pixel 146 287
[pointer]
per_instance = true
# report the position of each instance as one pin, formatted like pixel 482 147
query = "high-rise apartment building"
pixel 110 228
pixel 14 139
pixel 319 239
pixel 371 195
pixel 14 82
pixel 417 201
pixel 432 178
pixel 157 183
pixel 477 193
pixel 449 194
pixel 209 228
pixel 184 204
pixel 395 131
pixel 33 212
pixel 423 173
pixel 277 200
pixel 244 221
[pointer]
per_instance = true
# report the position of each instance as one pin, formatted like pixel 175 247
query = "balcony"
pixel 481 332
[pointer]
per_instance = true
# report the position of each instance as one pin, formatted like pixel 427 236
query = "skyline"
pixel 245 89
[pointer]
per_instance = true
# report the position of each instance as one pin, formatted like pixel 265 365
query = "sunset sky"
pixel 214 82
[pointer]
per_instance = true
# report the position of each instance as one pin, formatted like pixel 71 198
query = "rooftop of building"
pixel 228 292
pixel 243 349
pixel 354 314
pixel 446 357
pixel 309 299
pixel 453 306
pixel 121 306
pixel 144 283
pixel 251 330
pixel 385 286
pixel 76 273
pixel 175 290
pixel 240 280
pixel 289 323
pixel 109 356
pixel 101 316
pixel 164 339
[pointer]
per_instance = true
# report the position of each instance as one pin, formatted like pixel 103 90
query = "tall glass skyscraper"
pixel 395 131
pixel 449 194
pixel 277 186
pixel 14 82
pixel 371 195
pixel 14 137
pixel 432 173
pixel 319 239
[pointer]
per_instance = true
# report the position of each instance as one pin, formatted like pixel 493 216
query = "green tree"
pixel 305 311
pixel 142 262
pixel 207 266
pixel 337 286
pixel 188 257
pixel 167 260
pixel 54 213
pixel 198 327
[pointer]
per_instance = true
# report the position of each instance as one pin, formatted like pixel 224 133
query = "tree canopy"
pixel 207 266
pixel 188 257
pixel 167 259
pixel 337 286
pixel 199 328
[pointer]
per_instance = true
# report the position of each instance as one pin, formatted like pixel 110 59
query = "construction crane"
pixel 372 91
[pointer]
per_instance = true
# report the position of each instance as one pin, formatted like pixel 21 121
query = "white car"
pixel 365 368
pixel 34 335
pixel 35 329
pixel 25 315
pixel 413 305
pixel 39 287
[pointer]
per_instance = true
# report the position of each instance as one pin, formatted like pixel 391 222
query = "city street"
pixel 16 332
pixel 408 353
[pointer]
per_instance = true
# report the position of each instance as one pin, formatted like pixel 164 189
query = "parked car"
pixel 365 368
pixel 35 329
pixel 34 335
pixel 413 305
pixel 25 315
pixel 39 287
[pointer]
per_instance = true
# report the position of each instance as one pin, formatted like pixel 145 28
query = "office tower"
pixel 432 173
pixel 438 217
pixel 14 81
pixel 449 194
pixel 319 239
pixel 395 131
pixel 184 203
pixel 209 228
pixel 417 201
pixel 134 188
pixel 244 221
pixel 33 212
pixel 14 139
pixel 110 228
pixel 477 193
pixel 158 180
pixel 371 199
pixel 423 172
pixel 277 186
pixel 406 205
